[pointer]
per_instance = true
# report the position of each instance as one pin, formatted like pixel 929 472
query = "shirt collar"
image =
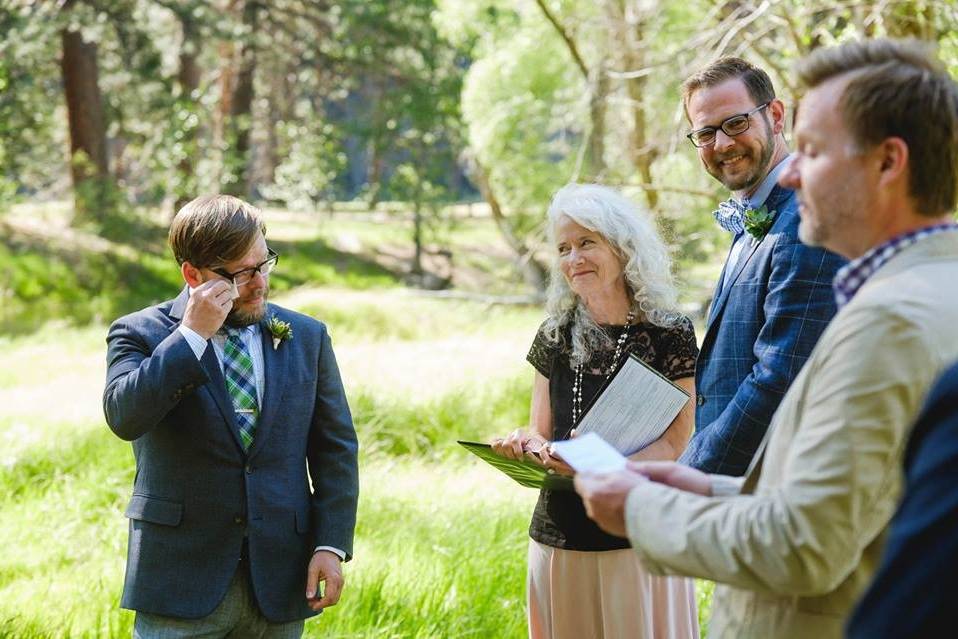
pixel 757 199
pixel 850 278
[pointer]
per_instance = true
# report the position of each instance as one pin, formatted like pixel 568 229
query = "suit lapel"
pixel 727 287
pixel 216 386
pixel 773 201
pixel 275 364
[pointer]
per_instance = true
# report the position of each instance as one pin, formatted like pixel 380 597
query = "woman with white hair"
pixel 611 294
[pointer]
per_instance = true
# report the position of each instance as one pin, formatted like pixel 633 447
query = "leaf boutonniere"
pixel 280 330
pixel 758 222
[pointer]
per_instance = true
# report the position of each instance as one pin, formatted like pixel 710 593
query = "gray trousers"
pixel 236 617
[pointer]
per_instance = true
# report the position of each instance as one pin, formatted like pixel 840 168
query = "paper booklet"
pixel 633 408
pixel 524 472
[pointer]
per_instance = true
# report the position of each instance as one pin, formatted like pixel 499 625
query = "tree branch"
pixel 569 42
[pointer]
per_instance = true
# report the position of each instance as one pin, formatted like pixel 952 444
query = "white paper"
pixel 590 454
pixel 234 291
pixel 635 409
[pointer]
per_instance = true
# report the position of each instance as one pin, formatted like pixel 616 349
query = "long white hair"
pixel 645 260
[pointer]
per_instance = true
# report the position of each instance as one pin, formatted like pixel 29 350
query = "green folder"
pixel 524 472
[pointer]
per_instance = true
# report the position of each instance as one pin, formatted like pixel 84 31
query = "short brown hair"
pixel 898 88
pixel 214 229
pixel 756 81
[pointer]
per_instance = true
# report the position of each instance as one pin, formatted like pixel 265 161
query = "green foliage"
pixel 38 283
pixel 384 424
pixel 31 147
pixel 42 280
pixel 314 263
pixel 524 106
pixel 313 160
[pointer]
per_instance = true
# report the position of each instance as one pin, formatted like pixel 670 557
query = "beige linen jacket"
pixel 794 551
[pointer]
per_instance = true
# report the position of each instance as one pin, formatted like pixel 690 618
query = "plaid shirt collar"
pixel 850 278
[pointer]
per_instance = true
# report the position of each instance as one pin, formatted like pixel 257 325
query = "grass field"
pixel 440 543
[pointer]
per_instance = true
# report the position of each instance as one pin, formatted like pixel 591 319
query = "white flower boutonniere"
pixel 280 330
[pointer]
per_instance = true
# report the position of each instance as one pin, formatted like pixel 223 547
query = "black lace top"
pixel 559 519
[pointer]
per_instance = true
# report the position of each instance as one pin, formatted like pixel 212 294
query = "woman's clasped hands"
pixel 531 446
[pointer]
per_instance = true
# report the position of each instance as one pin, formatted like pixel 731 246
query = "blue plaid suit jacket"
pixel 762 326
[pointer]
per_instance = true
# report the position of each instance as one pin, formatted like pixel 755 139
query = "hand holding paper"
pixel 590 454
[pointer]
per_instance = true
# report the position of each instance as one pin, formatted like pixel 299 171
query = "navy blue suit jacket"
pixel 913 594
pixel 196 493
pixel 762 326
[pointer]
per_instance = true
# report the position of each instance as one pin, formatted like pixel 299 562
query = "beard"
pixel 760 167
pixel 241 318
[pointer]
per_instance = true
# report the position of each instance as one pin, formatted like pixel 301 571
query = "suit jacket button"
pixel 249 469
pixel 700 400
pixel 238 520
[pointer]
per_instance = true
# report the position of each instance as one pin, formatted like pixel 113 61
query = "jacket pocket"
pixel 153 510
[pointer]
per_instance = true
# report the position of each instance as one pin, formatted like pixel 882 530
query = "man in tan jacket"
pixel 794 543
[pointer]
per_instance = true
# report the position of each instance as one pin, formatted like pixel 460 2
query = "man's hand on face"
pixel 208 307
pixel 604 498
pixel 323 567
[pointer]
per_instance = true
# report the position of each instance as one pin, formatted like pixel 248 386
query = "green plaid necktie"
pixel 241 384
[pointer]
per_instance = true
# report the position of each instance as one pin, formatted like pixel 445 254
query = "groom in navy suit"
pixel 244 498
pixel 774 296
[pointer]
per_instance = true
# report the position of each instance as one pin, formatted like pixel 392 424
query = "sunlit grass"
pixel 441 537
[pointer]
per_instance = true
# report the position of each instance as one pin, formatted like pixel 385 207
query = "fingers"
pixel 512 446
pixel 209 304
pixel 323 569
pixel 312 580
pixel 334 588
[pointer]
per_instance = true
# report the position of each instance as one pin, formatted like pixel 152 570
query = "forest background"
pixel 404 153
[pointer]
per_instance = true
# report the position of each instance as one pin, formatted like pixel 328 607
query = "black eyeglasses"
pixel 243 277
pixel 731 127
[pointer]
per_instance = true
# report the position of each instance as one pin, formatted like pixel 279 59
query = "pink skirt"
pixel 605 595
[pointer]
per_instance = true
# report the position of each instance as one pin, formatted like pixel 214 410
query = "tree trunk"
pixel 597 109
pixel 598 82
pixel 278 109
pixel 533 272
pixel 227 80
pixel 641 152
pixel 417 233
pixel 188 79
pixel 236 179
pixel 88 150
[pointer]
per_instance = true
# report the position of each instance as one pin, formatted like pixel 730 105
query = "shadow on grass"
pixel 315 263
pixel 40 282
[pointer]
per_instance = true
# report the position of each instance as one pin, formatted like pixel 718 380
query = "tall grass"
pixel 441 537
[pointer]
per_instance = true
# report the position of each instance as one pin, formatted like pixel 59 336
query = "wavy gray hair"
pixel 645 259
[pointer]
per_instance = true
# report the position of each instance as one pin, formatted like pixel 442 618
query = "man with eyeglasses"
pixel 774 296
pixel 229 401
pixel 793 544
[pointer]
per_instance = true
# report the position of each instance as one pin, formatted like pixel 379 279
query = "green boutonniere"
pixel 758 222
pixel 280 330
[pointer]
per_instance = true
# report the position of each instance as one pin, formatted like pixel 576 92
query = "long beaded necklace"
pixel 577 383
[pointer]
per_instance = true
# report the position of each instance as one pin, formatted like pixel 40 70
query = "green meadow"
pixel 440 543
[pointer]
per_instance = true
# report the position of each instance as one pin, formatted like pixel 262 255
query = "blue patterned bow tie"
pixel 731 215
